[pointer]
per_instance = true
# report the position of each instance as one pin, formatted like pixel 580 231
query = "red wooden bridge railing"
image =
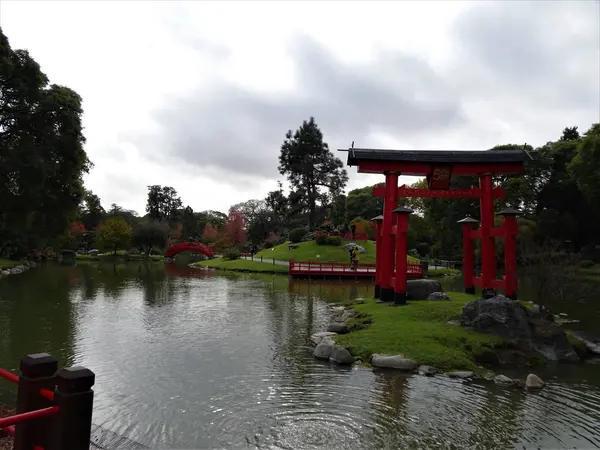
pixel 342 269
pixel 54 407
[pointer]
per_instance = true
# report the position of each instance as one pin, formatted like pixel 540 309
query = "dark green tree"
pixel 585 167
pixel 189 224
pixel 42 160
pixel 91 212
pixel 311 168
pixel 163 203
pixel 150 234
pixel 362 203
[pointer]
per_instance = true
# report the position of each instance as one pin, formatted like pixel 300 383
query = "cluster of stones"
pixel 18 269
pixel 327 349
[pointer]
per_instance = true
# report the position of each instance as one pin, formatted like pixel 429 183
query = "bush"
pixel 268 244
pixel 335 241
pixel 423 248
pixel 321 240
pixel 232 253
pixel 586 263
pixel 297 234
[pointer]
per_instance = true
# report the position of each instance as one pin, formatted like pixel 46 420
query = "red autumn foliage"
pixel 235 227
pixel 209 234
pixel 77 227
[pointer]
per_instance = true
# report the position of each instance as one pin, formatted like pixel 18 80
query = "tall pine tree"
pixel 314 173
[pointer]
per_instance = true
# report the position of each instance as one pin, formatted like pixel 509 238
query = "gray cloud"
pixel 238 131
pixel 504 49
pixel 548 52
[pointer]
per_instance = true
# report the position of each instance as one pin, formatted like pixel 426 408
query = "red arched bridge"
pixel 195 247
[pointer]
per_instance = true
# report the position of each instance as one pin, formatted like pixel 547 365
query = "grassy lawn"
pixel 308 251
pixel 7 263
pixel 592 273
pixel 418 331
pixel 242 265
pixel 438 273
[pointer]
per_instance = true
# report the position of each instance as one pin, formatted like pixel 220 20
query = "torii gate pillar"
pixel 387 262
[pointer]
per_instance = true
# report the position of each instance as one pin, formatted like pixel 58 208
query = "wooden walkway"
pixel 323 269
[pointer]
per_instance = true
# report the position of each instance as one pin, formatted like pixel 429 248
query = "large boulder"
pixel 421 289
pixel 511 321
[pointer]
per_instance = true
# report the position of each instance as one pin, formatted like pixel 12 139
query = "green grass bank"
pixel 418 331
pixel 310 251
pixel 8 264
pixel 242 265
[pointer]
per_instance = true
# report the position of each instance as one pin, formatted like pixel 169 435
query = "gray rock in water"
pixel 428 371
pixel 324 349
pixel 16 270
pixel 438 297
pixel 592 343
pixel 338 327
pixel 503 379
pixel 348 314
pixel 340 355
pixel 6 272
pixel 318 337
pixel 421 289
pixel 338 309
pixel 398 362
pixel 462 374
pixel 534 382
pixel 511 321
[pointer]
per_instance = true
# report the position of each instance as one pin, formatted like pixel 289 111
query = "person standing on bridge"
pixel 356 257
pixel 351 253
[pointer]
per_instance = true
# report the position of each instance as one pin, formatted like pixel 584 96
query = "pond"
pixel 191 359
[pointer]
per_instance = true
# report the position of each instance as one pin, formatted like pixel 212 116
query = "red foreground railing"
pixel 307 268
pixel 54 407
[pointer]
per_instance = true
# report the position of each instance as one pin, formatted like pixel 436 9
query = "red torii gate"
pixel 439 166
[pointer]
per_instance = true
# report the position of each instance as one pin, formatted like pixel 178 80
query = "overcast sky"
pixel 198 95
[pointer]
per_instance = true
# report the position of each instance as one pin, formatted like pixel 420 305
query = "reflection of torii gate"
pixel 439 167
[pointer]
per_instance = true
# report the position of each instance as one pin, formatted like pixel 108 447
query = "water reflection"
pixel 193 359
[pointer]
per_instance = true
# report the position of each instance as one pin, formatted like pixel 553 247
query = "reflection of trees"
pixel 334 291
pixel 391 397
pixel 37 307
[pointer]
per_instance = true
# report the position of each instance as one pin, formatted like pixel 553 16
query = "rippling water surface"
pixel 190 359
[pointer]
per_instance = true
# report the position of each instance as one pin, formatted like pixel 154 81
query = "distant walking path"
pixel 268 261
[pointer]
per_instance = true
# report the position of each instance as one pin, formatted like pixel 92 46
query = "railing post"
pixel 75 398
pixel 37 372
